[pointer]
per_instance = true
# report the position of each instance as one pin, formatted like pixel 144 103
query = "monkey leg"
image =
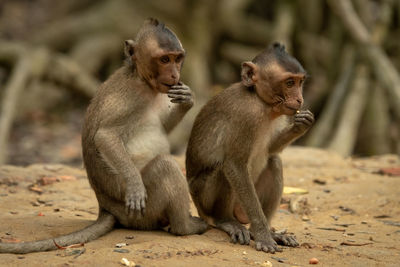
pixel 167 201
pixel 269 189
pixel 168 194
pixel 214 199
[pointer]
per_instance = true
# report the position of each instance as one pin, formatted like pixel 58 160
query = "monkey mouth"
pixel 167 85
pixel 292 110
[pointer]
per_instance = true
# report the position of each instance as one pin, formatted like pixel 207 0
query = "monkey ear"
pixel 249 70
pixel 129 48
pixel 151 21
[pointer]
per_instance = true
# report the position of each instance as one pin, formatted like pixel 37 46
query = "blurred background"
pixel 54 54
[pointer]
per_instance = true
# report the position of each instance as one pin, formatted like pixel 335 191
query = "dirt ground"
pixel 349 217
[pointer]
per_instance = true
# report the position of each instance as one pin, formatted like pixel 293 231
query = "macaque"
pixel 126 153
pixel 233 167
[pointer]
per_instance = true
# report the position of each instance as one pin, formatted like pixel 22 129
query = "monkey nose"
pixel 175 79
pixel 295 105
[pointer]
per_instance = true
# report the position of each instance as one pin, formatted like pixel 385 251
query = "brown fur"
pixel 125 147
pixel 233 170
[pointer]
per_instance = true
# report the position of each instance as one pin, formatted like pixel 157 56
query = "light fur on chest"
pixel 259 153
pixel 148 138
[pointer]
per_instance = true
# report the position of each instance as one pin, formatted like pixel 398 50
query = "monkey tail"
pixel 104 224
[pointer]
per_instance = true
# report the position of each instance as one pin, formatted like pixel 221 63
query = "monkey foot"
pixel 194 226
pixel 285 240
pixel 198 225
pixel 236 231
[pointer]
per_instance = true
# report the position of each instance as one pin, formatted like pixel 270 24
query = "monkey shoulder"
pixel 117 103
pixel 229 118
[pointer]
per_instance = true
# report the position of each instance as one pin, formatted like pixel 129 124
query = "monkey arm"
pixel 175 115
pixel 181 97
pixel 243 186
pixel 302 121
pixel 113 151
pixel 239 178
pixel 283 139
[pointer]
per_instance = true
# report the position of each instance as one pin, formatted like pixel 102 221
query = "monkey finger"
pixel 137 206
pixel 292 242
pixel 176 96
pixel 143 211
pixel 240 237
pixel 284 240
pixel 303 121
pixel 179 92
pixel 233 238
pixel 247 238
pixel 306 116
pixel 269 249
pixel 182 100
pixel 307 111
pixel 180 86
pixel 127 209
pixel 143 203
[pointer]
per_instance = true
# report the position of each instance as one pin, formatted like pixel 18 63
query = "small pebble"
pixel 121 250
pixel 120 245
pixel 126 262
pixel 313 261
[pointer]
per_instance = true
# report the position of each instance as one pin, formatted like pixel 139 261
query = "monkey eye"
pixel 179 58
pixel 290 83
pixel 164 59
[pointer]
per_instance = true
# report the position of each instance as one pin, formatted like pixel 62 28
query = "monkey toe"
pixel 285 240
pixel 262 246
pixel 243 237
pixel 292 242
pixel 237 232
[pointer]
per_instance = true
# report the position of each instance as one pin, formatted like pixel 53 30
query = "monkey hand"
pixel 135 198
pixel 181 94
pixel 265 242
pixel 303 121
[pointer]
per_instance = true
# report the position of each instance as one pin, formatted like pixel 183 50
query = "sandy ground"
pixel 349 217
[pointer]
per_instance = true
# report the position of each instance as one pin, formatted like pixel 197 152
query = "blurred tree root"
pixel 345 119
pixel 35 64
pixel 78 43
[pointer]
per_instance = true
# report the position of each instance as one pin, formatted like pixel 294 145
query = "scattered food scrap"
pixel 294 190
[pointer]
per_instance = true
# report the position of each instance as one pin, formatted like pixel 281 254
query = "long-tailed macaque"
pixel 233 168
pixel 125 147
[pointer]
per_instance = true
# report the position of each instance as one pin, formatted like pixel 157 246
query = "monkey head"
pixel 157 55
pixel 277 78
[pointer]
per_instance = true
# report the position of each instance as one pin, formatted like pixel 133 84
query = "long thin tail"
pixel 104 224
